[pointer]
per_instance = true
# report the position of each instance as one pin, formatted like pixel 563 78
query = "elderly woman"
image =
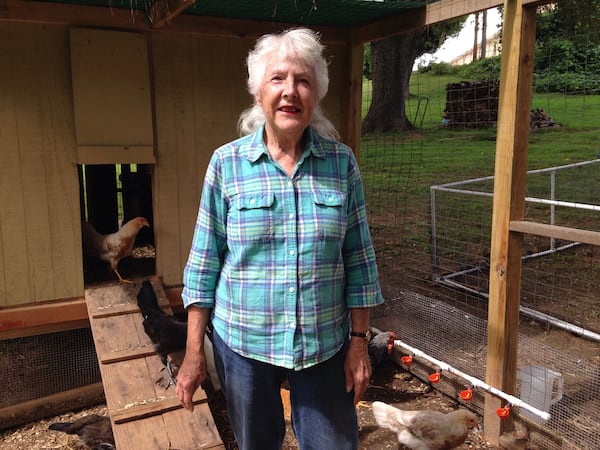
pixel 282 262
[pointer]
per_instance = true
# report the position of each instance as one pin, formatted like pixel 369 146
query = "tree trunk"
pixel 476 34
pixel 392 61
pixel 483 52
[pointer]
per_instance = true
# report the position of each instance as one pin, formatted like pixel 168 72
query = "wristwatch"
pixel 366 335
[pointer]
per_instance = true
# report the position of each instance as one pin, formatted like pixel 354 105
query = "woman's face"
pixel 288 97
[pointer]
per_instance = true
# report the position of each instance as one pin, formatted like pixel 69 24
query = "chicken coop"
pixel 111 110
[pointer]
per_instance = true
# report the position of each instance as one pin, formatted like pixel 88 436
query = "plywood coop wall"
pixel 197 92
pixel 111 96
pixel 40 252
pixel 200 92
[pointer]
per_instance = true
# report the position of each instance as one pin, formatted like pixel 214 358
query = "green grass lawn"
pixel 436 154
pixel 399 168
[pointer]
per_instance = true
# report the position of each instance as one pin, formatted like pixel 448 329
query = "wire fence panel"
pixel 429 198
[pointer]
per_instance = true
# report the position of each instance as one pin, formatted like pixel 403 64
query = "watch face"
pixel 368 335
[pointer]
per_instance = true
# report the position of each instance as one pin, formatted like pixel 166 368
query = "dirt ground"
pixel 391 384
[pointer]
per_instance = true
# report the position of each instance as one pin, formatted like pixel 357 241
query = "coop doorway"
pixel 111 195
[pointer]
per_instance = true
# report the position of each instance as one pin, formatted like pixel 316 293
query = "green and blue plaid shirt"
pixel 280 260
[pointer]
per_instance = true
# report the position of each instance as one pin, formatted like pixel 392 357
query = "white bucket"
pixel 540 387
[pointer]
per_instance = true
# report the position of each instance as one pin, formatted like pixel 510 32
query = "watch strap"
pixel 359 334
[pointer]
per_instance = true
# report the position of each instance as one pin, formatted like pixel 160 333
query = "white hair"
pixel 302 44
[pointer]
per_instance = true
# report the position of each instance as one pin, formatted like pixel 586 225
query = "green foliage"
pixel 574 20
pixel 438 68
pixel 567 66
pixel 437 34
pixel 435 37
pixel 567 56
pixel 367 61
pixel 481 69
pixel 568 83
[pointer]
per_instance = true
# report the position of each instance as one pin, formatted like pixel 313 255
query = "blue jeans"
pixel 323 413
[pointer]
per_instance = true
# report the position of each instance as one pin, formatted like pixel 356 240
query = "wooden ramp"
pixel 144 415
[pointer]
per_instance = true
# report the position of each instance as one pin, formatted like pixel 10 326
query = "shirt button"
pixel 292 289
pixel 330 198
pixel 291 215
pixel 292 325
pixel 252 201
pixel 292 252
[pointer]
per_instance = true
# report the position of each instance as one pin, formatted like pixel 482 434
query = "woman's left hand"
pixel 357 368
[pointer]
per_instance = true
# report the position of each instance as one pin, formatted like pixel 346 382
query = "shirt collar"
pixel 257 148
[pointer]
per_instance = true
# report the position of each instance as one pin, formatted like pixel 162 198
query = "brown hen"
pixel 112 247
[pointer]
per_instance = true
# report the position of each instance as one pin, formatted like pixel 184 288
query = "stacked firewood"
pixel 472 104
pixel 538 118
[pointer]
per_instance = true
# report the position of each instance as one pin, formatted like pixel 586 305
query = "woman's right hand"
pixel 191 374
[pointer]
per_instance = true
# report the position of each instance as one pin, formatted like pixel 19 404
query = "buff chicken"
pixel 112 247
pixel 426 429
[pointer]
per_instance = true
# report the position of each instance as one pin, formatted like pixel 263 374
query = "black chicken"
pixel 380 346
pixel 94 431
pixel 167 333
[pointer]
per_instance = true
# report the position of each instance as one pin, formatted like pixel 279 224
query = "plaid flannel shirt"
pixel 281 260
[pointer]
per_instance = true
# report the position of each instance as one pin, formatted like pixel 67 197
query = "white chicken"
pixel 426 429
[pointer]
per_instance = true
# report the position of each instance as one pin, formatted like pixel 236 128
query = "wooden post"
pixel 508 204
pixel 350 129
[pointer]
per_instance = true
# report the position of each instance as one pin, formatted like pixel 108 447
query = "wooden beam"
pixel 516 78
pixel 107 154
pixel 131 19
pixel 557 232
pixel 43 318
pixel 135 20
pixel 74 15
pixel 148 409
pixel 122 308
pixel 127 354
pixel 163 12
pixel 39 408
pixel 429 15
pixel 67 314
pixel 351 102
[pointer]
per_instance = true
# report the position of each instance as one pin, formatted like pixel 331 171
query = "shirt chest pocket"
pixel 251 218
pixel 331 214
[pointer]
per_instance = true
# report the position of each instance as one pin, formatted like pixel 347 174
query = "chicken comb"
pixel 390 345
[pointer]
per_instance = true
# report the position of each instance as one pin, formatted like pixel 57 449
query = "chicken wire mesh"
pixel 433 247
pixel 562 383
pixel 559 292
pixel 563 195
pixel 34 367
